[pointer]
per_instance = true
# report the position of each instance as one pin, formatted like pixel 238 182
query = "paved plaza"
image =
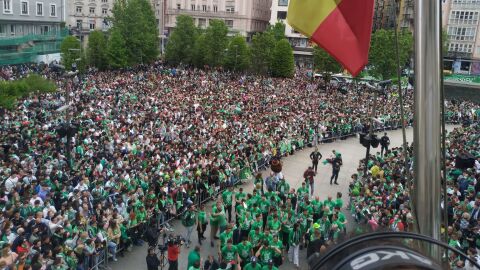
pixel 293 168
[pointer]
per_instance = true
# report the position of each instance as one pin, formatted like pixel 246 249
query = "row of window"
pixel 466 2
pixel 25 8
pixel 91 10
pixel 461 33
pixel 206 8
pixel 202 22
pixel 91 24
pixel 20 29
pixel 463 17
pixel 460 47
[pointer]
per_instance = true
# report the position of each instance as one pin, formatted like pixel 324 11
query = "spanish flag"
pixel 341 27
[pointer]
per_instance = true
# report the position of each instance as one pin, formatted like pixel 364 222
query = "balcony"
pixel 200 13
pixel 466 6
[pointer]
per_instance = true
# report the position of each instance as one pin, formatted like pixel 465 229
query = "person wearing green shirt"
pixel 244 249
pixel 229 254
pixel 275 224
pixel 217 220
pixel 252 265
pixel 240 195
pixel 302 191
pixel 283 187
pixel 266 252
pixel 278 245
pixel 188 220
pixel 339 201
pixel 255 237
pixel 201 223
pixel 194 257
pixel 225 236
pixel 264 207
pixel 227 197
pixel 270 266
pixel 294 239
pixel 240 209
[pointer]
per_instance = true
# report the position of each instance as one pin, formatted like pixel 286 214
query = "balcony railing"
pixel 218 14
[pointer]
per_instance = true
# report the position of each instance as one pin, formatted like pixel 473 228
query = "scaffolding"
pixel 24 49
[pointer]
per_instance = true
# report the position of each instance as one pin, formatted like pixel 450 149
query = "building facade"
pixel 85 16
pixel 302 47
pixel 460 19
pixel 245 17
pixel 384 14
pixel 29 28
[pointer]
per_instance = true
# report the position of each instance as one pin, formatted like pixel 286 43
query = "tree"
pixel 71 51
pixel 97 50
pixel 261 49
pixel 283 64
pixel 199 51
pixel 216 41
pixel 278 30
pixel 116 51
pixel 237 57
pixel 181 43
pixel 135 20
pixel 382 61
pixel 325 63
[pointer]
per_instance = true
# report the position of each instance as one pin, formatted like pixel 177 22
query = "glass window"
pixel 53 10
pixel 92 10
pixel 281 15
pixel 79 9
pixel 7 6
pixel 283 3
pixel 104 11
pixel 24 8
pixel 39 9
pixel 229 23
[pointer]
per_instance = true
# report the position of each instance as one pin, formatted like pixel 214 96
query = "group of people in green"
pixel 263 228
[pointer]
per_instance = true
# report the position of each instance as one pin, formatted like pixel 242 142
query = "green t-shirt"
pixel 255 238
pixel 250 266
pixel 239 196
pixel 202 217
pixel 188 219
pixel 229 254
pixel 264 206
pixel 266 254
pixel 224 236
pixel 227 197
pixel 193 257
pixel 244 249
pixel 266 267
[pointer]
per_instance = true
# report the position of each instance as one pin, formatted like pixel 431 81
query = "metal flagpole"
pixel 400 100
pixel 427 119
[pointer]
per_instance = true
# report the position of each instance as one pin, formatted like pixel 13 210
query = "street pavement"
pixel 293 168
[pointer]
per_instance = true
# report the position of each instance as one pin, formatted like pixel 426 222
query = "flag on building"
pixel 341 27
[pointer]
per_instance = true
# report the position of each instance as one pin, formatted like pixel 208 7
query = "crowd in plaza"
pixel 152 143
pixel 381 199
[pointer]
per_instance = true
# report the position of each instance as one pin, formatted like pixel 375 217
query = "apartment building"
pixel 460 19
pixel 302 47
pixel 245 17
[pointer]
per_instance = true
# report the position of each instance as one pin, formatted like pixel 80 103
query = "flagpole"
pixel 400 100
pixel 427 120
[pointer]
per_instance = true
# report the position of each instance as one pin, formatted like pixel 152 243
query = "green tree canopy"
pixel 71 51
pixel 97 50
pixel 135 20
pixel 117 51
pixel 182 41
pixel 324 62
pixel 278 30
pixel 382 58
pixel 238 54
pixel 216 41
pixel 283 64
pixel 200 50
pixel 262 48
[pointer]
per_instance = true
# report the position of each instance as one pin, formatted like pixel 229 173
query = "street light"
pixel 371 139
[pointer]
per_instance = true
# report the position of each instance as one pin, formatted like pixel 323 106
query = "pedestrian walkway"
pixel 293 168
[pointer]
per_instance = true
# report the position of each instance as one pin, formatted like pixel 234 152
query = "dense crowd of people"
pixel 151 143
pixel 381 198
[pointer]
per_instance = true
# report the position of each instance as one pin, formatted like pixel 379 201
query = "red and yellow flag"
pixel 341 27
